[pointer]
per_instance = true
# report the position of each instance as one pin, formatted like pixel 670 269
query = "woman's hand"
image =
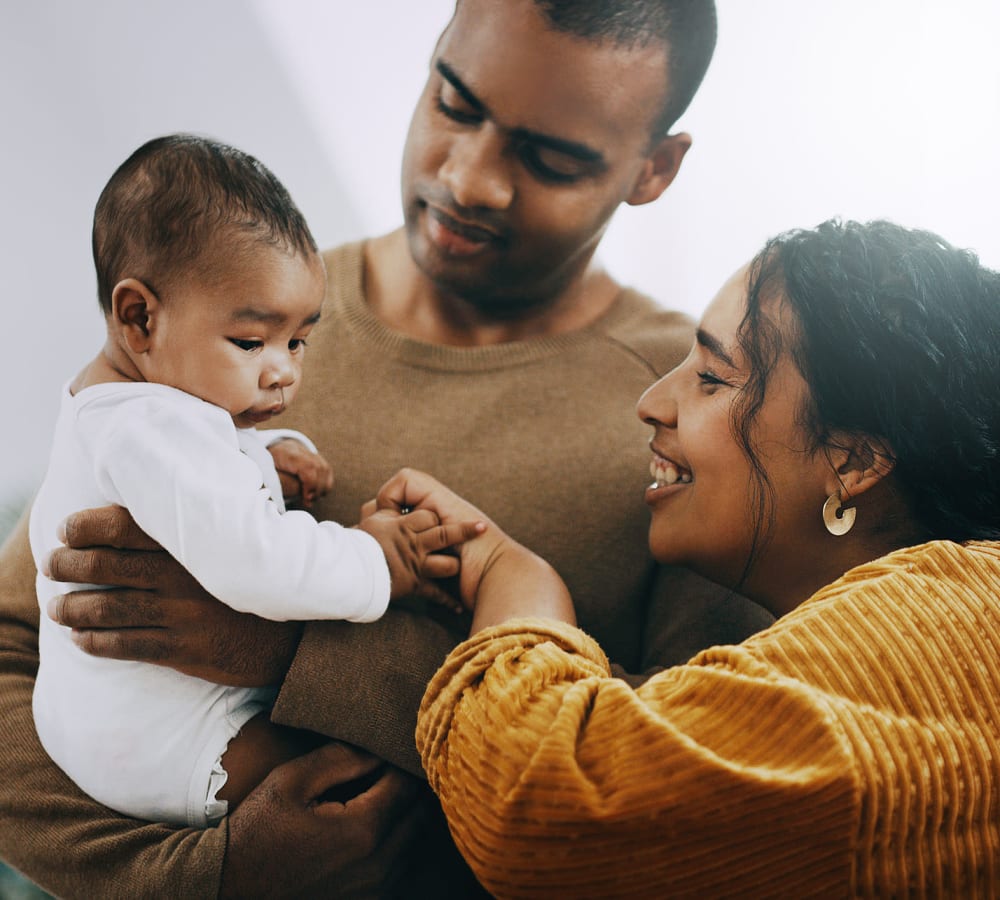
pixel 498 577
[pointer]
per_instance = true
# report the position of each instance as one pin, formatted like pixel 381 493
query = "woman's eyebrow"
pixel 714 346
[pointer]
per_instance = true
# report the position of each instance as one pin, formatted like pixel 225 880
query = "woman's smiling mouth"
pixel 666 472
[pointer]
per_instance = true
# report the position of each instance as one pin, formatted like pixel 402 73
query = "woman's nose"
pixel 657 405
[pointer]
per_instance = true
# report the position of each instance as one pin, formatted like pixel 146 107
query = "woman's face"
pixel 702 497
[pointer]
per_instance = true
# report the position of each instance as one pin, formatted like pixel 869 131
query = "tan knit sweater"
pixel 541 433
pixel 853 749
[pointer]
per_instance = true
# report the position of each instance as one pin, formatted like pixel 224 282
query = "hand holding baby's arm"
pixel 305 476
pixel 499 578
pixel 413 543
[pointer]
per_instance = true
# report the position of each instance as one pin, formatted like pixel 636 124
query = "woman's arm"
pixel 557 779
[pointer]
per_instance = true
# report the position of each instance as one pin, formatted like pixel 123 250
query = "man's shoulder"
pixel 343 254
pixel 661 337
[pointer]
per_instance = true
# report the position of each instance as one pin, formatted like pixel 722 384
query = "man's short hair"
pixel 687 28
pixel 166 208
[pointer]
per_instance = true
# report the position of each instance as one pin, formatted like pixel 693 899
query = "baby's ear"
pixel 133 310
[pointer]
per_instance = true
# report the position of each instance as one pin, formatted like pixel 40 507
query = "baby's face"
pixel 239 341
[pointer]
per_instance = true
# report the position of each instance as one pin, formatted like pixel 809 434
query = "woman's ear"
pixel 857 464
pixel 134 308
pixel 660 168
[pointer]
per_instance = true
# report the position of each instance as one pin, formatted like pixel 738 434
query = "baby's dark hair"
pixel 165 208
pixel 897 334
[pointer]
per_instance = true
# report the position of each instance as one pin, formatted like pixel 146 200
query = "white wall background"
pixel 859 108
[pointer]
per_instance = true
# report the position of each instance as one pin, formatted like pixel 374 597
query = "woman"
pixel 828 448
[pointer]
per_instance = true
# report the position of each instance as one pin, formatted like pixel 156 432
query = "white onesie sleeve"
pixel 174 462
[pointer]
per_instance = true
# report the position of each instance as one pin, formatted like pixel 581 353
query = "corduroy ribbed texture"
pixel 852 749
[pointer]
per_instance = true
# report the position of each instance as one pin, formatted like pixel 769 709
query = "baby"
pixel 210 283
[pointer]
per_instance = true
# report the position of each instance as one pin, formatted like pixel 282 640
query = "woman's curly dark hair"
pixel 897 334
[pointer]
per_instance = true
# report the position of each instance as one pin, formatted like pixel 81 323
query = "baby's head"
pixel 207 274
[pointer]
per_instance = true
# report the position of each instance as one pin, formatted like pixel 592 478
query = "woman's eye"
pixel 709 379
pixel 246 345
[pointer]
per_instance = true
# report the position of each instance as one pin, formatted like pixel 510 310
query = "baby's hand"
pixel 413 543
pixel 305 476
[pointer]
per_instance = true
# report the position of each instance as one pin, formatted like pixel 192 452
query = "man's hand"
pixel 154 611
pixel 305 476
pixel 336 822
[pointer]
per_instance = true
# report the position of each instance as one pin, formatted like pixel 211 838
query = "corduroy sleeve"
pixel 559 780
pixel 49 830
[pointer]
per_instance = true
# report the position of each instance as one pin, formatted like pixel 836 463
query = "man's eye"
pixel 550 165
pixel 246 345
pixel 451 104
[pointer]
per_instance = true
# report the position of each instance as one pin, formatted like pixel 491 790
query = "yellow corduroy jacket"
pixel 852 749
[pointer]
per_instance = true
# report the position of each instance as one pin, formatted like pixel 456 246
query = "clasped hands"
pixel 151 609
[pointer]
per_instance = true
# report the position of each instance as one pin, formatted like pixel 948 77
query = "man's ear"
pixel 660 168
pixel 857 464
pixel 134 308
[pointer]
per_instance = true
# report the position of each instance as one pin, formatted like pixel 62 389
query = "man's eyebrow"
pixel 448 74
pixel 714 346
pixel 571 148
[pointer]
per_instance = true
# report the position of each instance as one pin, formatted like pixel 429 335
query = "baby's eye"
pixel 297 344
pixel 249 346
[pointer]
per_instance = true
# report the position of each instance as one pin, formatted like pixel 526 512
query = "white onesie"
pixel 141 738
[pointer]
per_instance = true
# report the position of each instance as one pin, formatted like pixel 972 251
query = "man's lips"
pixel 457 237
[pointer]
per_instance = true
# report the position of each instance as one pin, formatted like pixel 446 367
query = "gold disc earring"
pixel 838 521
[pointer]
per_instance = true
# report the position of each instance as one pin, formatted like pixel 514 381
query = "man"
pixel 481 343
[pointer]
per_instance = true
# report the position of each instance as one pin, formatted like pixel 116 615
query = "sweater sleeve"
pixel 398 654
pixel 178 469
pixel 49 830
pixel 557 778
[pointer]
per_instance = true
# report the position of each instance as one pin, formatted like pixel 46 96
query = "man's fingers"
pixel 309 777
pixel 106 526
pixel 106 609
pixel 103 565
pixel 134 644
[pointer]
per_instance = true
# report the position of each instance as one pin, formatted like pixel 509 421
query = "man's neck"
pixel 404 299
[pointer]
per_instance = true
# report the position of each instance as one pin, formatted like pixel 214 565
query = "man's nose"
pixel 477 172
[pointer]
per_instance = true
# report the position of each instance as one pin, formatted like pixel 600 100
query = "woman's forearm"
pixel 516 583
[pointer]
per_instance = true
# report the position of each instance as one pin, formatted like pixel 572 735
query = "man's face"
pixel 522 145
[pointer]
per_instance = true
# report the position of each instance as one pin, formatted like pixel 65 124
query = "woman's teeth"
pixel 665 474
